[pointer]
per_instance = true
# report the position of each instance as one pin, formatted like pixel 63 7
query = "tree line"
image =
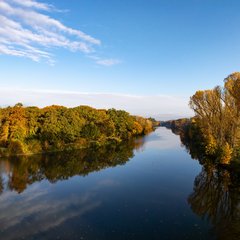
pixel 26 130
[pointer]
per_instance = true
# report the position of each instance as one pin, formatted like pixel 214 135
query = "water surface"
pixel 148 189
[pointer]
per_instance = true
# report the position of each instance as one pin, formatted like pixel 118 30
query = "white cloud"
pixel 105 61
pixel 34 4
pixel 108 62
pixel 159 106
pixel 27 32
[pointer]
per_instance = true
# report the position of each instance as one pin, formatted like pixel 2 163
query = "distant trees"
pixel 177 126
pixel 33 130
pixel 218 119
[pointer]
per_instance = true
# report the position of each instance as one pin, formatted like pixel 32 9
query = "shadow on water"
pixel 22 171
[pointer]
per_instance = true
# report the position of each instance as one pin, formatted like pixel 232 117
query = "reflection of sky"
pixel 161 139
pixel 146 196
pixel 39 207
pixel 4 171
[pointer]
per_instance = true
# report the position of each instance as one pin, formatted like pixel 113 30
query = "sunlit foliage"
pixel 218 119
pixel 214 131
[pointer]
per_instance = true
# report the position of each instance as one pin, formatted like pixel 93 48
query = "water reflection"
pixel 16 173
pixel 216 197
pixel 146 199
pixel 1 184
pixel 31 206
pixel 216 194
pixel 38 213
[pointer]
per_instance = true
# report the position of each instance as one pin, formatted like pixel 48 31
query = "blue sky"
pixel 107 53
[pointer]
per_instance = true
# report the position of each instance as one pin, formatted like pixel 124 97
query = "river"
pixel 149 189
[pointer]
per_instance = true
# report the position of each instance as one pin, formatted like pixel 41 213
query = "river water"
pixel 149 189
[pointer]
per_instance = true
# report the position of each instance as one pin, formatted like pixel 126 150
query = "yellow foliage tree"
pixel 226 154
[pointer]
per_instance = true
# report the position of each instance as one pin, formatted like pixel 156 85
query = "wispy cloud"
pixel 34 4
pixel 105 61
pixel 28 30
pixel 108 62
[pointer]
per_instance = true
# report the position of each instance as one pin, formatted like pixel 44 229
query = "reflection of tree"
pixel 1 184
pixel 26 170
pixel 216 196
pixel 192 140
pixel 216 193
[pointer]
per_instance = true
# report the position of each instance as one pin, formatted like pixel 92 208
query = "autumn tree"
pixel 218 118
